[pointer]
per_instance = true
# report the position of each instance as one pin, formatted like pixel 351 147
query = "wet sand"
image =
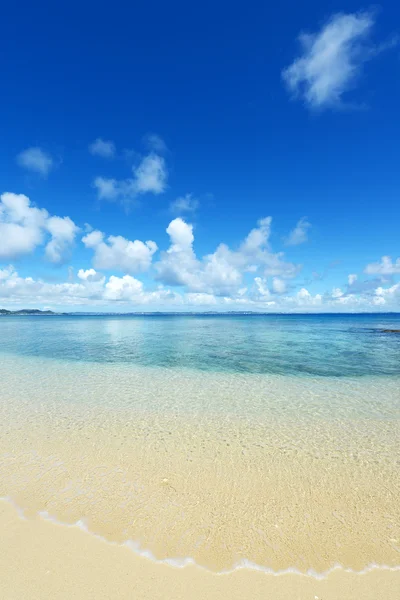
pixel 280 496
pixel 46 561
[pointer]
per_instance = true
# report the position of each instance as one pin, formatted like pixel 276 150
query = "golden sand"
pixel 221 494
pixel 45 561
pixel 279 473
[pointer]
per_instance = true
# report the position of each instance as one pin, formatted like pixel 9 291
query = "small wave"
pixel 180 563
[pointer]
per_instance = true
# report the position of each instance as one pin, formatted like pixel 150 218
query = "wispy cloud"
pixel 184 204
pixel 155 143
pixel 352 278
pixel 332 59
pixel 299 234
pixel 103 148
pixel 36 160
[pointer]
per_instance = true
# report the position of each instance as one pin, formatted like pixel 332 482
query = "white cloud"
pixel 90 275
pixel 63 232
pixel 93 239
pixel 116 252
pixel 108 188
pixel 184 204
pixel 298 235
pixel 28 290
pixel 6 273
pixel 303 294
pixel 149 177
pixel 389 293
pixel 94 289
pixel 384 267
pixel 23 228
pixel 123 288
pixel 352 278
pixel 337 293
pixel 249 276
pixel 278 285
pixel 262 291
pixel 181 234
pixel 331 59
pixel 304 298
pixel 35 159
pixel 378 301
pixel 220 273
pixel 103 148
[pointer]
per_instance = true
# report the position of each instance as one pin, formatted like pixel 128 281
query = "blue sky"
pixel 187 127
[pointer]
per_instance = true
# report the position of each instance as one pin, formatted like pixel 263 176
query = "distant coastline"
pixel 37 312
pixel 27 311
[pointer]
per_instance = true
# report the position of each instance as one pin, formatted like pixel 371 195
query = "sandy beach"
pixel 47 561
pixel 193 485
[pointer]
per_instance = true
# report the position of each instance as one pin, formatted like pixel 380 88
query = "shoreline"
pixel 224 491
pixel 181 563
pixel 46 560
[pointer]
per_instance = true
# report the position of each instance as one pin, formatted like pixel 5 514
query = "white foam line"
pixel 180 563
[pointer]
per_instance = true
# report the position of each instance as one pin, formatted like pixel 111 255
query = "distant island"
pixel 27 311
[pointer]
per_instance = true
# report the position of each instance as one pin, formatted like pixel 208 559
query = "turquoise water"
pixel 314 345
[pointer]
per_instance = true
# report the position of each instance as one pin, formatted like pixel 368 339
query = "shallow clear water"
pixel 273 439
pixel 321 345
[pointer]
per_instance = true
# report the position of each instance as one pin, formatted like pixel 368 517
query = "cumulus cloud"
pixel 331 59
pixel 299 234
pixel 103 148
pixel 388 293
pixel 14 288
pixel 93 289
pixel 35 159
pixel 184 204
pixel 337 293
pixel 23 228
pixel 149 177
pixel 247 276
pixel 122 288
pixel 21 225
pixel 306 299
pixel 90 275
pixel 116 252
pixel 384 267
pixel 221 272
